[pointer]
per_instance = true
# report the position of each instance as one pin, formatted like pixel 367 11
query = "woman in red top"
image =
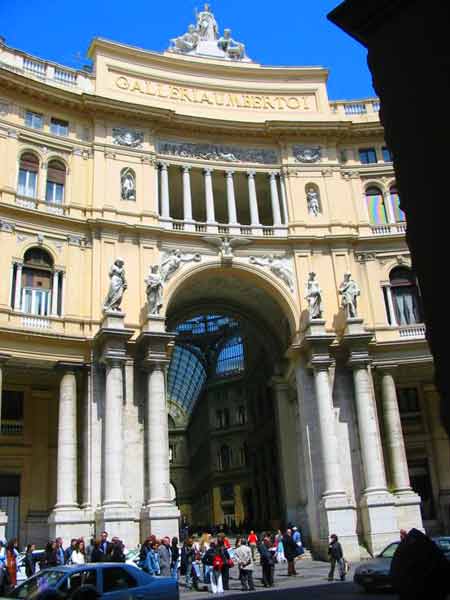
pixel 252 542
pixel 11 564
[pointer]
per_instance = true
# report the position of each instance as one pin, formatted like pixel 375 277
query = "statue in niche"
pixel 155 288
pixel 117 287
pixel 312 198
pixel 207 25
pixel 277 265
pixel 313 294
pixel 128 184
pixel 234 49
pixel 349 290
pixel 186 42
pixel 171 262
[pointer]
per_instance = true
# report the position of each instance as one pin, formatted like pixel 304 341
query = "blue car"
pixel 113 581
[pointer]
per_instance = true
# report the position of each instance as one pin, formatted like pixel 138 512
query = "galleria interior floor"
pixel 208 312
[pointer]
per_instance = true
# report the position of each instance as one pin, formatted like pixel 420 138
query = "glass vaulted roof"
pixel 199 339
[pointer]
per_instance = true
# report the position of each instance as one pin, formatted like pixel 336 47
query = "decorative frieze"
pixel 7 227
pixel 280 266
pixel 128 137
pixel 212 152
pixel 307 154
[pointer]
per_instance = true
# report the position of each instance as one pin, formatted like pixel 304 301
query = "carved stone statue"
pixel 127 137
pixel 312 198
pixel 234 49
pixel 313 294
pixel 117 286
pixel 307 154
pixel 226 246
pixel 278 266
pixel 171 262
pixel 128 184
pixel 349 290
pixel 186 42
pixel 207 25
pixel 155 288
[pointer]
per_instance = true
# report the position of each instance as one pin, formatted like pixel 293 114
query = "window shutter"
pixel 56 173
pixel 29 162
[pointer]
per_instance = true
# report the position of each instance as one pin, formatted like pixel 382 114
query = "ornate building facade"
pixel 165 350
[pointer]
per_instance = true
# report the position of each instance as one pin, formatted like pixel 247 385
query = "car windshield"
pixel 389 551
pixel 443 543
pixel 37 584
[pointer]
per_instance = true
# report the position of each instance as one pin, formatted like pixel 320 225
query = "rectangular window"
pixel 59 127
pixel 367 156
pixel 12 406
pixel 34 120
pixel 387 156
pixel 54 193
pixel 27 183
pixel 408 403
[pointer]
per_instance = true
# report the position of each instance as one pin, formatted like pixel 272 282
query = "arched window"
pixel 37 282
pixel 28 175
pixel 399 215
pixel 405 296
pixel 231 357
pixel 376 206
pixel 56 181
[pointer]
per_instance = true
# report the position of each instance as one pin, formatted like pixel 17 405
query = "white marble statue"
pixel 312 197
pixel 349 290
pixel 155 288
pixel 172 261
pixel 117 286
pixel 313 294
pixel 234 49
pixel 278 266
pixel 227 245
pixel 186 42
pixel 207 25
pixel 128 185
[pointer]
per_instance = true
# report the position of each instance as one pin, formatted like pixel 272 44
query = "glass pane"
pixel 390 550
pixel 22 182
pixel 376 208
pixel 49 191
pixel 406 305
pixel 59 193
pixel 400 216
pixel 31 184
pixel 27 301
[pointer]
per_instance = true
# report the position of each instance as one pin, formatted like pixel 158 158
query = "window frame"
pixel 31 116
pixel 56 124
pixel 363 160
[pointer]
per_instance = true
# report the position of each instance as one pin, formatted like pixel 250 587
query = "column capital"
pixel 208 170
pixel 273 174
pixel 186 168
pixel 251 173
pixel 386 369
pixel 150 365
pixel 359 361
pixel 163 165
pixel 69 367
pixel 321 363
pixel 229 173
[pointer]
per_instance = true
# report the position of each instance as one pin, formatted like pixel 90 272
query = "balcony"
pixel 389 229
pixel 36 204
pixel 48 72
pixel 416 332
pixel 11 428
pixel 364 109
pixel 225 229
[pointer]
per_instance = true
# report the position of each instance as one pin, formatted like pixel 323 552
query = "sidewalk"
pixel 308 573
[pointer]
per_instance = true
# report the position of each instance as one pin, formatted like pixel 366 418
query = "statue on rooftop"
pixel 234 49
pixel 207 25
pixel 186 42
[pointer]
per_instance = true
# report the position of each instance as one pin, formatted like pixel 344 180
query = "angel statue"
pixel 172 261
pixel 313 295
pixel 278 267
pixel 155 286
pixel 117 286
pixel 349 290
pixel 226 246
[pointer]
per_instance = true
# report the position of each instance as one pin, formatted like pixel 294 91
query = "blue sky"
pixel 287 32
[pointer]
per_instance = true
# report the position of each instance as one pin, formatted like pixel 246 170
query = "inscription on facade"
pixel 222 99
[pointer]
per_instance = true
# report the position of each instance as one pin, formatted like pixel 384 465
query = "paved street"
pixel 311 583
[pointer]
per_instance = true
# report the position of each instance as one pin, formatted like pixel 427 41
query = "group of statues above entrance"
pixel 171 261
pixel 202 39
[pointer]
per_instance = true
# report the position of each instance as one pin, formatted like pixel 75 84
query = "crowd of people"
pixel 200 561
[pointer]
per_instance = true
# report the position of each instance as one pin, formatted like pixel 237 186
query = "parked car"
pixel 375 574
pixel 113 581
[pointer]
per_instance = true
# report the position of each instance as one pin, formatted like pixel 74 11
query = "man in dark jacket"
pixel 290 551
pixel 336 556
pixel 267 562
pixel 165 557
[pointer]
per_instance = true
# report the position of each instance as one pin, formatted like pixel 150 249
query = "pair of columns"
pixel 57 284
pixel 231 198
pixel 114 452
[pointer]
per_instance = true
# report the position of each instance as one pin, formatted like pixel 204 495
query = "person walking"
pixel 290 552
pixel 187 559
pixel 267 562
pixel 30 565
pixel 165 557
pixel 243 556
pixel 336 556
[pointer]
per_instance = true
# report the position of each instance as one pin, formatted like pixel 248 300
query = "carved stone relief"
pixel 307 154
pixel 128 137
pixel 213 152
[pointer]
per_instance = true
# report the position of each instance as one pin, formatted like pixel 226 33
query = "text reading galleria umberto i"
pixel 208 313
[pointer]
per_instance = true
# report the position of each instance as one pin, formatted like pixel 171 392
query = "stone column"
pixel 18 287
pixel 160 515
pixel 231 203
pixel 165 199
pixel 187 199
pixel 284 199
pixel 377 504
pixel 253 203
pixel 407 502
pixel 389 208
pixel 390 302
pixel 55 292
pixel 209 199
pixel 275 199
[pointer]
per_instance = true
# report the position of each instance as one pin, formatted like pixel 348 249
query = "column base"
pixel 338 515
pixel 3 524
pixel 70 522
pixel 155 323
pixel 407 505
pixel 379 520
pixel 354 326
pixel 119 521
pixel 160 520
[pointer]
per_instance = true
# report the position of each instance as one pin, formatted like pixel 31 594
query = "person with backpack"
pixel 216 573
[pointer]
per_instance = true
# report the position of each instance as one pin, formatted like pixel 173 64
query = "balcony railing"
pixel 389 228
pixel 356 108
pixel 413 331
pixel 8 427
pixel 224 228
pixel 36 204
pixel 35 322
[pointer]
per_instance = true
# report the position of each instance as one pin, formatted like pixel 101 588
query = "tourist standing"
pixel 243 556
pixel 2 567
pixel 336 556
pixel 78 556
pixel 298 541
pixel 280 548
pixel 187 559
pixel 216 573
pixel 253 543
pixel 227 563
pixel 49 559
pixel 30 565
pixel 175 557
pixel 165 557
pixel 267 562
pixel 97 555
pixel 69 550
pixel 60 555
pixel 11 562
pixel 105 546
pixel 290 552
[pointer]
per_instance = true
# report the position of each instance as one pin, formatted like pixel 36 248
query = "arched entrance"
pixel 233 328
